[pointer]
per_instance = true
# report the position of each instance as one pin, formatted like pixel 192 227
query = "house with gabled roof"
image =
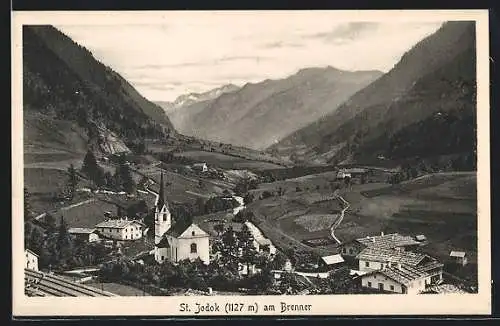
pixel 31 259
pixel 176 241
pixel 382 241
pixel 459 257
pixel 85 234
pixel 121 229
pixel 371 259
pixel 396 278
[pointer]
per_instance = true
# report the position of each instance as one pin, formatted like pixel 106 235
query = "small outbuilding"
pixel 333 260
pixel 459 257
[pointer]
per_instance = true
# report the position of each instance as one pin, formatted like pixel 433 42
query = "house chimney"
pixel 398 265
pixel 382 233
pixel 373 239
pixel 209 290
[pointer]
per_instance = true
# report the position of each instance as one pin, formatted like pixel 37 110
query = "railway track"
pixel 40 283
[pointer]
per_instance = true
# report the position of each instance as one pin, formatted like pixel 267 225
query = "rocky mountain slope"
pixel 71 101
pixel 257 115
pixel 424 106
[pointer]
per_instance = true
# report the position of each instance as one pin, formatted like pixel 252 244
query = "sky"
pixel 201 52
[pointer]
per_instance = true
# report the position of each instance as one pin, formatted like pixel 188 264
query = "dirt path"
pixel 339 220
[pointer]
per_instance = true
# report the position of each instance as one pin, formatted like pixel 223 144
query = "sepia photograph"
pixel 283 161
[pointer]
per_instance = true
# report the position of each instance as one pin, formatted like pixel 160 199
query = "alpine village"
pixel 126 197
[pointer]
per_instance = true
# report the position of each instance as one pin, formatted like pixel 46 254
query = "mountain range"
pixel 424 106
pixel 185 100
pixel 257 115
pixel 72 102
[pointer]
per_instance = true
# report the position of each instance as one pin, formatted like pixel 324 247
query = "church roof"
pixel 177 229
pixel 163 243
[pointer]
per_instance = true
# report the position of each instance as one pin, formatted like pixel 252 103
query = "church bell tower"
pixel 163 220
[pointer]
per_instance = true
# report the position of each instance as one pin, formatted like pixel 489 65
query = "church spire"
pixel 161 193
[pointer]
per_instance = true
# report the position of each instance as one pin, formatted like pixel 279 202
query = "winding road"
pixel 339 220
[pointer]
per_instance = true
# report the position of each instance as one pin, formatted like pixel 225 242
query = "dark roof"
pixel 177 229
pixel 391 255
pixel 163 243
pixel 403 274
pixel 31 252
pixel 388 241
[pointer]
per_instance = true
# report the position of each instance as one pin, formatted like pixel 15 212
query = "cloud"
pixel 348 32
pixel 280 44
pixel 192 54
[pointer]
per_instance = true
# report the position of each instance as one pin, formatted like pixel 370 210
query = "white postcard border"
pixel 470 304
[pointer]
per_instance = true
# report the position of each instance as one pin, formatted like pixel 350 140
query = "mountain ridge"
pixel 420 84
pixel 248 116
pixel 63 81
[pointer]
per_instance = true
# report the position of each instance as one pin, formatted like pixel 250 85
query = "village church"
pixel 176 241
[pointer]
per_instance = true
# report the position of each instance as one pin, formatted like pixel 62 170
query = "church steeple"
pixel 163 219
pixel 161 193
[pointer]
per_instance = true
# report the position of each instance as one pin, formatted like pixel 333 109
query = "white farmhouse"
pixel 396 278
pixel 121 229
pixel 375 259
pixel 31 260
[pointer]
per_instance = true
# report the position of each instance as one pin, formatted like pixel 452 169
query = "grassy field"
pixel 227 161
pixel 86 215
pixel 442 207
pixel 181 188
pixel 289 220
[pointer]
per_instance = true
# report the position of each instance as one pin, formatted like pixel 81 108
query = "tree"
pixel 219 228
pixel 266 194
pixel 50 222
pixel 92 169
pixel 72 181
pixel 123 176
pixel 229 251
pixel 278 261
pixel 248 198
pixel 340 281
pixel 347 181
pixel 35 241
pixel 248 251
pixel 27 206
pixel 63 244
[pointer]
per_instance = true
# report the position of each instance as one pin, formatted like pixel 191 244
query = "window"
pixel 351 251
pixel 162 257
pixel 370 284
pixel 392 287
pixel 367 264
pixel 192 233
pixel 193 248
pixel 344 250
pixel 381 286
